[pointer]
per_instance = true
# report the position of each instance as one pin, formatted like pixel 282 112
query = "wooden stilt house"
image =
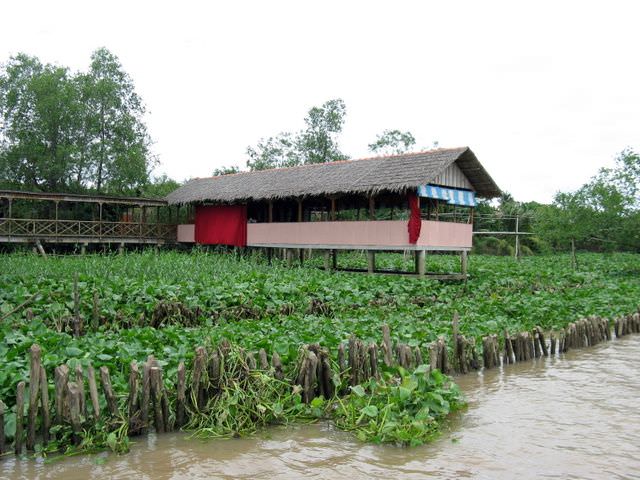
pixel 417 201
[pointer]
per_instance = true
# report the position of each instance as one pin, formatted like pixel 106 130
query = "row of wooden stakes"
pixel 149 403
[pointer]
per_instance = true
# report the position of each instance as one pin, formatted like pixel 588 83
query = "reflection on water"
pixel 574 416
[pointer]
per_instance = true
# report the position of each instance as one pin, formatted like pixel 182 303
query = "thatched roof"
pixel 371 175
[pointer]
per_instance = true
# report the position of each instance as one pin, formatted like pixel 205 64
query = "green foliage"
pixel 317 143
pixel 226 170
pixel 393 142
pixel 405 408
pixel 200 298
pixel 72 132
pixel 603 215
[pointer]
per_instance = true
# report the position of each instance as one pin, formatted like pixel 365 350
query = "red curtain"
pixel 221 225
pixel 414 218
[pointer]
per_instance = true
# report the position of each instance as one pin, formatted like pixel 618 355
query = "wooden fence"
pixel 149 403
pixel 61 230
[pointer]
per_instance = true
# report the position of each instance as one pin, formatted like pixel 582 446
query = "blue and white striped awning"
pixel 453 196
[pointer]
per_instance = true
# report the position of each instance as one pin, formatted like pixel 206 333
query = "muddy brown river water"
pixel 575 416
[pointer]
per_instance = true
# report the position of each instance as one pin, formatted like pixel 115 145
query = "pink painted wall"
pixel 388 233
pixel 380 233
pixel 186 233
pixel 391 233
pixel 445 234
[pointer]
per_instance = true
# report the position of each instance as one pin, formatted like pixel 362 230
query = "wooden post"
pixel 333 209
pixel 132 403
pixel 56 227
pixel 371 261
pixel 155 375
pixel 181 398
pixel 386 345
pixel 334 259
pixel 456 347
pixel 276 363
pixel 19 418
pixel 372 207
pixel 41 249
pixel 61 378
pixel 299 210
pixel 73 394
pixel 327 260
pixel 93 392
pixel 100 220
pixel 80 382
pixel 34 391
pixel 112 403
pixel 270 212
pixel 146 396
pixel 420 256
pixel 121 248
pixel 463 262
pixel 517 252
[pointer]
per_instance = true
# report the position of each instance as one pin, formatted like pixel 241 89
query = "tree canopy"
pixel 64 131
pixel 317 143
pixel 392 142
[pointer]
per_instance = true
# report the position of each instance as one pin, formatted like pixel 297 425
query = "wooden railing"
pixel 61 229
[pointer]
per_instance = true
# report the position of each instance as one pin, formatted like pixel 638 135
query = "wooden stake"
pixel 112 403
pixel 146 396
pixel 155 377
pixel 386 345
pixel 44 395
pixel 276 363
pixel 19 418
pixel 181 387
pixel 93 392
pixel 73 395
pixel 61 378
pixel 262 356
pixel 34 393
pixel 80 382
pixel 133 409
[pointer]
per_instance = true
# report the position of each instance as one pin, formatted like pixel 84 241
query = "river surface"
pixel 575 416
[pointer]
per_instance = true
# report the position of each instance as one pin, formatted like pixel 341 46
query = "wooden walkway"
pixel 20 230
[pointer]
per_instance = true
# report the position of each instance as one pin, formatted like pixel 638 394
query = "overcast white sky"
pixel 545 93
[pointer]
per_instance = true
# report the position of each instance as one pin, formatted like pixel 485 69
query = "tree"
pixel 603 214
pixel 226 170
pixel 72 132
pixel 274 152
pixel 159 187
pixel 118 143
pixel 37 105
pixel 392 142
pixel 317 143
